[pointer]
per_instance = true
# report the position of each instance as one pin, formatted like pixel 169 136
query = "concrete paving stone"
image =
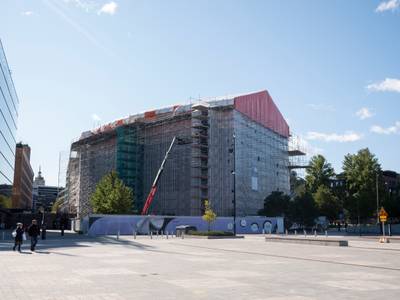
pixel 250 268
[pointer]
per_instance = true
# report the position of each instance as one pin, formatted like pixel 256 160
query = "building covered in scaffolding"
pixel 243 136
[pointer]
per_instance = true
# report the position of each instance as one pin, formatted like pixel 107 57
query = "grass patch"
pixel 211 233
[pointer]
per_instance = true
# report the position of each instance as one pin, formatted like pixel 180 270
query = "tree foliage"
pixel 327 203
pixel 302 209
pixel 5 202
pixel 297 184
pixel 112 196
pixel 56 205
pixel 360 171
pixel 320 172
pixel 276 204
pixel 391 203
pixel 209 215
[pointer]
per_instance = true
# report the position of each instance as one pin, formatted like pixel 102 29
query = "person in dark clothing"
pixel 19 231
pixel 44 231
pixel 33 232
pixel 63 224
pixel 62 228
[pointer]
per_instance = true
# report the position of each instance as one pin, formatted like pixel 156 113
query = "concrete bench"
pixel 309 241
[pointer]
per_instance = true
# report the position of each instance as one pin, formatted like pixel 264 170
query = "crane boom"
pixel 153 189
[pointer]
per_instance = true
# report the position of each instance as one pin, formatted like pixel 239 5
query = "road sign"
pixel 383 212
pixel 383 215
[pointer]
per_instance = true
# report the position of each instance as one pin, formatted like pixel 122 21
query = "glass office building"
pixel 8 121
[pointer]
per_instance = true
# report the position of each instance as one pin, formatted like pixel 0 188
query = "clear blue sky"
pixel 75 61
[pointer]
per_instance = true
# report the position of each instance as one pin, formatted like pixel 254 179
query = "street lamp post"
pixel 377 198
pixel 234 184
pixel 358 215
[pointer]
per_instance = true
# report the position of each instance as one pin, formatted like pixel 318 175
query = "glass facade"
pixel 8 121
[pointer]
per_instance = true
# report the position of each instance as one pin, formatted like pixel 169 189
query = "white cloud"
pixel 86 5
pixel 321 107
pixel 348 136
pixel 27 13
pixel 388 5
pixel 388 130
pixel 96 118
pixel 108 8
pixel 364 113
pixel 387 85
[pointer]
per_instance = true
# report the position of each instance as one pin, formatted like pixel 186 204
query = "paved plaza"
pixel 143 268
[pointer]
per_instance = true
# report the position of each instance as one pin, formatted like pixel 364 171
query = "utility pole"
pixel 234 184
pixel 59 171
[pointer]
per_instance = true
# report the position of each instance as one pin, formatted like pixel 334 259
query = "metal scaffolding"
pixel 199 167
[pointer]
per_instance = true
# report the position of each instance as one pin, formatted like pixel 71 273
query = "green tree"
pixel 56 205
pixel 112 196
pixel 297 184
pixel 320 172
pixel 327 203
pixel 276 204
pixel 360 171
pixel 302 210
pixel 5 202
pixel 209 215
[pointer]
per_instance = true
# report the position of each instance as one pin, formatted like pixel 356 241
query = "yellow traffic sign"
pixel 383 213
pixel 383 218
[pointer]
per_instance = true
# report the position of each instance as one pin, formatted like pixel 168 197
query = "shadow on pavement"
pixel 45 246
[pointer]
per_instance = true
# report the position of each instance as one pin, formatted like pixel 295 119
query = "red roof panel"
pixel 261 108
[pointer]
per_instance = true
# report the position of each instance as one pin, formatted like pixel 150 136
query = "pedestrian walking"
pixel 18 237
pixel 63 224
pixel 62 229
pixel 33 232
pixel 44 231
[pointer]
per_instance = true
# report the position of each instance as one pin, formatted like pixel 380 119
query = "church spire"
pixel 39 180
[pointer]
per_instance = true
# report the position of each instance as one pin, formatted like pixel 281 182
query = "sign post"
pixel 383 215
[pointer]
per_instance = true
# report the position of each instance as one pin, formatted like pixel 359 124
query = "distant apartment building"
pixel 8 121
pixel 23 178
pixel 244 134
pixel 43 195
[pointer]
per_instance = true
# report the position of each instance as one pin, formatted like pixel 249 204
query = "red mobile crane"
pixel 153 189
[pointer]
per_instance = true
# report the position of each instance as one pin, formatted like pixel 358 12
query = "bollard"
pixel 134 234
pixel 167 235
pixel 305 233
pixel 183 235
pixel 157 233
pixel 326 233
pixel 263 232
pixel 389 230
pixel 3 236
pixel 286 231
pixel 295 232
pixel 151 235
pixel 118 235
pixel 315 233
